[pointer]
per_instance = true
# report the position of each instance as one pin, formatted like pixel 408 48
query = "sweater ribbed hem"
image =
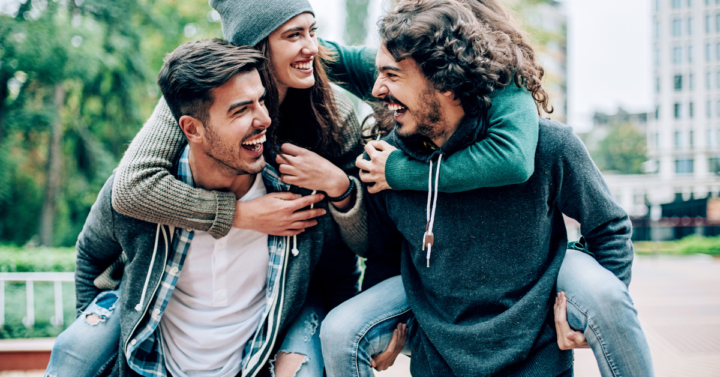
pixel 225 215
pixel 395 172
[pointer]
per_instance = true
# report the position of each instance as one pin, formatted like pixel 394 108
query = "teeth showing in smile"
pixel 394 107
pixel 305 65
pixel 255 141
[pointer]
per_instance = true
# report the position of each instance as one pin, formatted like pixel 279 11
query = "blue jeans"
pixel 85 350
pixel 598 304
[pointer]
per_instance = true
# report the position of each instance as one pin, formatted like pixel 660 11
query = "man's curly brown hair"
pixel 469 47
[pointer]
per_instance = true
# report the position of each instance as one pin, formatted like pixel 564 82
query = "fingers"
pixel 287 169
pixel 301 225
pixel 285 195
pixel 291 149
pixel 363 164
pixel 305 201
pixel 307 214
pixel 370 149
pixel 561 311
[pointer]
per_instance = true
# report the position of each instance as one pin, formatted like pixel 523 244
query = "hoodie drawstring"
pixel 295 250
pixel 428 237
pixel 139 306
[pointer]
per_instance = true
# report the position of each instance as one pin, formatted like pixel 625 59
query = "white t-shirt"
pixel 218 301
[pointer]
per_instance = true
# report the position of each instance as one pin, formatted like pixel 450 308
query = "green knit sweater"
pixel 505 157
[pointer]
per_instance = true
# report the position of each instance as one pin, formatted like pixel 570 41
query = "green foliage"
pixel 105 55
pixel 689 245
pixel 44 310
pixel 622 150
pixel 40 259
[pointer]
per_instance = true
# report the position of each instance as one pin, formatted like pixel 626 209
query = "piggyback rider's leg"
pixel 599 306
pixel 90 344
pixel 362 327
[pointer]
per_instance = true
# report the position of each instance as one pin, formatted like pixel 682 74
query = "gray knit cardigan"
pixel 145 189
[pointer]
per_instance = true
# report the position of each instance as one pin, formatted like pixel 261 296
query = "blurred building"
pixel 683 132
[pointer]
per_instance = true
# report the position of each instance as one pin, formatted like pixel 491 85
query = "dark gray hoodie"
pixel 484 304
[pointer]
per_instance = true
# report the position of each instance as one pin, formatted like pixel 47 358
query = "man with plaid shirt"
pixel 230 304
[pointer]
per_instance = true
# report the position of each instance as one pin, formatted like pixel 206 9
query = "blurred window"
pixel 708 137
pixel 677 27
pixel 690 25
pixel 657 84
pixel 656 56
pixel 708 109
pixel 656 138
pixel 707 24
pixel 708 52
pixel 689 3
pixel 676 111
pixel 690 53
pixel 691 110
pixel 676 3
pixel 677 139
pixel 717 135
pixel 714 165
pixel 708 80
pixel 684 166
pixel 677 82
pixel 717 51
pixel 691 81
pixel 691 138
pixel 656 29
pixel 677 54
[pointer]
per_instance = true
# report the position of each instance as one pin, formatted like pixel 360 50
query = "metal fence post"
pixel 57 319
pixel 2 302
pixel 29 320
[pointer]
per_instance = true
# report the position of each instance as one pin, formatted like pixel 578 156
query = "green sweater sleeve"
pixel 505 157
pixel 352 68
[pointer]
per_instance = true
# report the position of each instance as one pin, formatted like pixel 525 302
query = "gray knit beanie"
pixel 247 22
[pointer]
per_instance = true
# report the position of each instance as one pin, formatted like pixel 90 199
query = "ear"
pixel 193 129
pixel 449 94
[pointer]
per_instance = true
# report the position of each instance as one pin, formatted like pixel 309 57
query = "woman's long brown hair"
pixel 308 117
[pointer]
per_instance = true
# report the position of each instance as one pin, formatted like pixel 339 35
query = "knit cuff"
pixel 353 223
pixel 225 215
pixel 394 170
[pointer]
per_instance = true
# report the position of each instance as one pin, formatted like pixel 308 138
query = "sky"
pixel 609 46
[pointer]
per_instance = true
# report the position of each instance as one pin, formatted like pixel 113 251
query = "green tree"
pixel 622 150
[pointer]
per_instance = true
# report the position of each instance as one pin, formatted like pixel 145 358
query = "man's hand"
pixel 304 168
pixel 386 359
pixel 567 338
pixel 278 213
pixel 373 172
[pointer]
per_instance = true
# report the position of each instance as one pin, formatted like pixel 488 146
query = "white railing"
pixel 29 278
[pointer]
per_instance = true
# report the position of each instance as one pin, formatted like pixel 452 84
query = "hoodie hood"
pixel 420 148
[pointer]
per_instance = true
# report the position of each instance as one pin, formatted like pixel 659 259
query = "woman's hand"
pixel 303 168
pixel 278 213
pixel 373 172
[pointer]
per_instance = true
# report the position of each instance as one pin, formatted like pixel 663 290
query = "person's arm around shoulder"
pixel 505 157
pixel 97 247
pixel 145 189
pixel 352 68
pixel 584 196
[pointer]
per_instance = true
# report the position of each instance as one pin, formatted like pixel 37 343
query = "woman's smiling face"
pixel 293 49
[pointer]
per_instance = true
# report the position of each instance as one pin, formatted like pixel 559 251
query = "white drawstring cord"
pixel 428 238
pixel 295 250
pixel 138 307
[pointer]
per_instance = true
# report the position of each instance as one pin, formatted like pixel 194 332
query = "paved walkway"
pixel 678 299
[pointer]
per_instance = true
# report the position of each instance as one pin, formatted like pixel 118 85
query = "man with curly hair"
pixel 478 269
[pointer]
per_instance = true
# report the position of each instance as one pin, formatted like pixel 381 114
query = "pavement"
pixel 678 301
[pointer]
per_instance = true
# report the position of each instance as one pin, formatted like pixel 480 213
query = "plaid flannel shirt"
pixel 144 352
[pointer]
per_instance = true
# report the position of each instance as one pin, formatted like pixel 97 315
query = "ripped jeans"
pixel 86 350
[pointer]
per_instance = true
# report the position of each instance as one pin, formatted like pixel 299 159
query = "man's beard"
pixel 428 117
pixel 225 155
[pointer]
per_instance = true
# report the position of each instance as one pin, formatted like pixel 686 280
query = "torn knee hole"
pixel 93 319
pixel 287 364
